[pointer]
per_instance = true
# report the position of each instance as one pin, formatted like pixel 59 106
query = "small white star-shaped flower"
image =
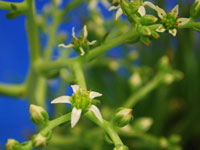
pixel 80 100
pixel 170 21
pixel 79 43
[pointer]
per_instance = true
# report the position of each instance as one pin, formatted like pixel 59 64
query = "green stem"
pixel 136 97
pixel 56 122
pixel 79 74
pixel 32 30
pixel 9 6
pixel 71 6
pixel 108 127
pixel 12 90
pixel 56 15
pixel 130 35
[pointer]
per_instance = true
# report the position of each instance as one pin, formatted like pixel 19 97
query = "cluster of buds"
pixel 12 144
pixel 81 45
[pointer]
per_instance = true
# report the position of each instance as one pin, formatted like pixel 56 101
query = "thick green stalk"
pixel 12 90
pixel 32 30
pixel 36 85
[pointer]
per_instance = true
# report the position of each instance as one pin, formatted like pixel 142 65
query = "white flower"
pixel 141 10
pixel 80 100
pixel 170 21
pixel 79 43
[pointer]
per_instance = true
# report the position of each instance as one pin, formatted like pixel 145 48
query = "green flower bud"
pixel 142 124
pixel 174 139
pixel 122 117
pixel 163 64
pixel 121 147
pixel 11 143
pixel 195 10
pixel 144 30
pixel 169 78
pixel 39 116
pixel 145 40
pixel 155 35
pixel 39 141
pixel 148 19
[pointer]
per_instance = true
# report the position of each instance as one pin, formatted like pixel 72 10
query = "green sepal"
pixel 148 19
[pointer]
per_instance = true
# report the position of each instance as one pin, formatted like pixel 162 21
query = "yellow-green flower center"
pixel 81 99
pixel 170 21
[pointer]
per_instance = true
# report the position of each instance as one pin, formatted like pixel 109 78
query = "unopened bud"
pixel 11 143
pixel 155 35
pixel 168 78
pixel 195 10
pixel 142 124
pixel 39 115
pixel 123 116
pixel 39 141
pixel 148 19
pixel 121 147
pixel 163 143
pixel 144 30
pixel 114 65
pixel 135 79
pixel 145 40
pixel 164 63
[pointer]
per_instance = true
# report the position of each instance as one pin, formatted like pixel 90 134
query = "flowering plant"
pixel 90 67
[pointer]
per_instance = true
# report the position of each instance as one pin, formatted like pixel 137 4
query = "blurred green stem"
pixel 136 97
pixel 9 6
pixel 12 90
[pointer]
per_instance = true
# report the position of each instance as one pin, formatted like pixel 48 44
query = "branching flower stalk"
pixel 143 28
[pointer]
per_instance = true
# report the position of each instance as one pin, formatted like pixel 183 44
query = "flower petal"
pixel 94 94
pixel 75 88
pixel 161 12
pixel 142 11
pixel 160 29
pixel 82 51
pixel 92 42
pixel 173 32
pixel 149 4
pixel 61 99
pixel 182 21
pixel 118 13
pixel 175 10
pixel 113 8
pixel 65 46
pixel 73 33
pixel 75 116
pixel 96 112
pixel 85 33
